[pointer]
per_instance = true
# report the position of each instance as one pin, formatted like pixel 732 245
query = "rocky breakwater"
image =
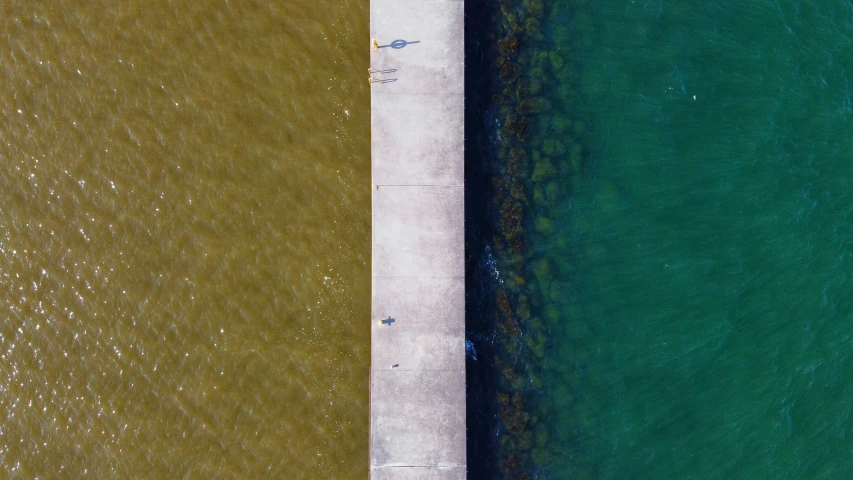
pixel 538 160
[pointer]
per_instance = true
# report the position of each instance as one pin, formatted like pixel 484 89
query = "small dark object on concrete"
pixel 388 321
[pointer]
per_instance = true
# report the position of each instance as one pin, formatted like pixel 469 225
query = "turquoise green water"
pixel 696 283
pixel 713 242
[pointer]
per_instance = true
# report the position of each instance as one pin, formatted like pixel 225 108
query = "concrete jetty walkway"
pixel 417 385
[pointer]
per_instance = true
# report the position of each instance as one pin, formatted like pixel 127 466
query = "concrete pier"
pixel 417 385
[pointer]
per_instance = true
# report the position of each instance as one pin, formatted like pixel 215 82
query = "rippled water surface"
pixel 184 239
pixel 667 271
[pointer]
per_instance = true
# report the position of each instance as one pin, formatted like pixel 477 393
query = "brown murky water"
pixel 184 239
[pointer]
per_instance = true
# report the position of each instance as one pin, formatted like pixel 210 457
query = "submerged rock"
pixel 544 225
pixel 525 442
pixel 500 99
pixel 560 291
pixel 552 192
pixel 523 308
pixel 536 8
pixel 536 343
pixel 517 192
pixel 524 128
pixel 552 314
pixel 533 105
pixel 552 148
pixel 556 61
pixel 535 324
pixel 539 195
pixel 564 264
pixel 523 89
pixel 517 160
pixel 509 71
pixel 543 169
pixel 532 26
pixel 561 124
pixel 536 381
pixel 540 65
pixel 508 45
pixel 510 222
pixel 542 270
pixel 541 456
pixel 510 19
pixel 512 123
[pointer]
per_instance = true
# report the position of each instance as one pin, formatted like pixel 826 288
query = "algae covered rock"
pixel 511 214
pixel 517 192
pixel 508 45
pixel 524 128
pixel 509 19
pixel 517 161
pixel 512 123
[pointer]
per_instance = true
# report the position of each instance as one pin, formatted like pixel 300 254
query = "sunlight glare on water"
pixel 184 239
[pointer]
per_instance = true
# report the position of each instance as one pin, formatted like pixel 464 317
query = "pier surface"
pixel 417 385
